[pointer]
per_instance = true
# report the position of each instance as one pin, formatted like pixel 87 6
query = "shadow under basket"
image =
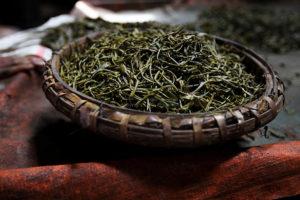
pixel 166 129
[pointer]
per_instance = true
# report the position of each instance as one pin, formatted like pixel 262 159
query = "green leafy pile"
pixel 276 31
pixel 66 33
pixel 56 37
pixel 161 70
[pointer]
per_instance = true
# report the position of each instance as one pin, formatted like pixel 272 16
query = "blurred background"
pixel 30 13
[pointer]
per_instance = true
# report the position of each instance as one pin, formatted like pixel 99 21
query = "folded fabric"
pixel 45 156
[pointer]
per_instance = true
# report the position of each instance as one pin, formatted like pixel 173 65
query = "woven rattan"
pixel 163 129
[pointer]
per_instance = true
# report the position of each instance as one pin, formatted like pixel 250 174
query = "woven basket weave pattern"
pixel 166 130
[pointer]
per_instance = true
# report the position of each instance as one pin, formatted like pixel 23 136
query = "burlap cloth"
pixel 45 156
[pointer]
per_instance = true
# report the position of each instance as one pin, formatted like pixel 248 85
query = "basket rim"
pixel 260 62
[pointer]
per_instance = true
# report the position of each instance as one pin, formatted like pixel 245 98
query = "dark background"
pixel 31 13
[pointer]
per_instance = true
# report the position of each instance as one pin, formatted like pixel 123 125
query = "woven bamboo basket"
pixel 163 129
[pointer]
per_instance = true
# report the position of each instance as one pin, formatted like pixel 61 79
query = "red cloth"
pixel 45 156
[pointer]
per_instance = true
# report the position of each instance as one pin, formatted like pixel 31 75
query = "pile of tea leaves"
pixel 269 30
pixel 57 37
pixel 159 70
